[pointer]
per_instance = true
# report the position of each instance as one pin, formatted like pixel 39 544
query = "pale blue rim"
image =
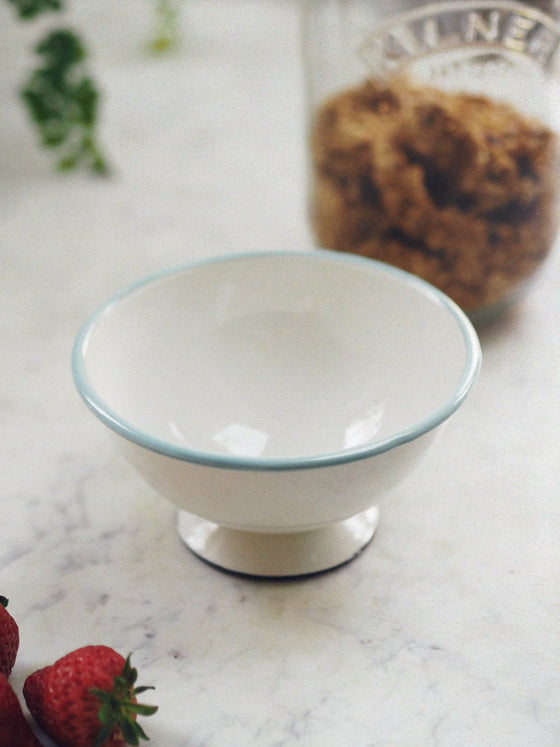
pixel 130 432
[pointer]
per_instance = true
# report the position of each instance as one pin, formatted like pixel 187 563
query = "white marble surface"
pixel 446 631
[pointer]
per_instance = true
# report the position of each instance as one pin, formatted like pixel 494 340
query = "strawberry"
pixel 88 699
pixel 14 729
pixel 9 639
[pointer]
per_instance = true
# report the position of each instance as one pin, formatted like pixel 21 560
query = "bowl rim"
pixel 132 433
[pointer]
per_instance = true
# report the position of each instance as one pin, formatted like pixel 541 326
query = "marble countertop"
pixel 445 631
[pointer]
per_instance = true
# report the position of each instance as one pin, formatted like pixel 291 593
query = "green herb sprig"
pixel 166 35
pixel 60 96
pixel 63 102
pixel 32 8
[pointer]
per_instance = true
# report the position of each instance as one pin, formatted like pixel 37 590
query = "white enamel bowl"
pixel 274 398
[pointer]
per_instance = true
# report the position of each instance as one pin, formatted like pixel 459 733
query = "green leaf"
pixel 130 734
pixel 62 101
pixel 166 34
pixel 31 8
pixel 61 49
pixel 142 710
pixel 118 707
pixel 103 735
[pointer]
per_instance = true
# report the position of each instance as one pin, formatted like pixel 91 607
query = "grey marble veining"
pixel 446 630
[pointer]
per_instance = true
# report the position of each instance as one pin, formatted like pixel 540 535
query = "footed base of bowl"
pixel 278 555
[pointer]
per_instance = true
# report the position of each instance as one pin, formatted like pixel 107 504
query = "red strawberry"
pixel 9 639
pixel 14 729
pixel 88 699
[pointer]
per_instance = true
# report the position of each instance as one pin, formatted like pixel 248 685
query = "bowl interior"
pixel 275 356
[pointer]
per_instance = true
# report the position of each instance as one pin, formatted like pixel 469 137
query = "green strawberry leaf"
pixel 118 707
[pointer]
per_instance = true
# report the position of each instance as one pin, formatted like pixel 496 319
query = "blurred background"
pixel 209 120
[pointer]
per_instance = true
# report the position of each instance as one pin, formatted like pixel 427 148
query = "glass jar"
pixel 432 138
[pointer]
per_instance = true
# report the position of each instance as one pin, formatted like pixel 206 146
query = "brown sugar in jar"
pixel 453 187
